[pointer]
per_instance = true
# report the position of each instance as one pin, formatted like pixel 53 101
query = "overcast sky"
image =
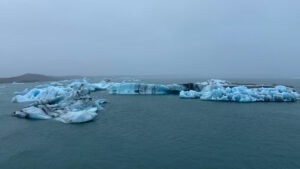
pixel 215 38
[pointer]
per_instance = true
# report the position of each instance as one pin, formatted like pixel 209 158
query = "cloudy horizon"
pixel 214 38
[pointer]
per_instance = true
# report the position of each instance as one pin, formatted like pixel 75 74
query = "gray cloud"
pixel 233 38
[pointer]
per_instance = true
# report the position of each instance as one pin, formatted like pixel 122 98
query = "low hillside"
pixel 35 78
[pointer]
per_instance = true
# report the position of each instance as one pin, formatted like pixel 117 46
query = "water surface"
pixel 156 132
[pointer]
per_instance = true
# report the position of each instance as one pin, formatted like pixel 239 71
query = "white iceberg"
pixel 103 85
pixel 17 83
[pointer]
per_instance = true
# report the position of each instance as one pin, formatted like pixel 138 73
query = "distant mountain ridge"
pixel 30 77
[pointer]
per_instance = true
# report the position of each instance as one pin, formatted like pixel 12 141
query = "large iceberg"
pixel 142 88
pixel 224 91
pixel 55 89
pixel 68 104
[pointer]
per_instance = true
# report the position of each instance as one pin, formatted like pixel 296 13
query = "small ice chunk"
pixel 16 83
pixel 32 113
pixel 22 92
pixel 191 94
pixel 78 116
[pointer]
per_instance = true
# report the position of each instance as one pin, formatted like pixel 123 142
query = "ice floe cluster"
pixel 71 102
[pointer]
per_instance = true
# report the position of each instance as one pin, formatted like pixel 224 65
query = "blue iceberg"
pixel 219 91
pixel 142 88
pixel 37 94
pixel 68 104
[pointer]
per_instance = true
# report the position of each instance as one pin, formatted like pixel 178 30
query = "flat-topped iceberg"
pixel 142 88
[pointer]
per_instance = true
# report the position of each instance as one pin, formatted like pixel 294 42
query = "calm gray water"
pixel 149 132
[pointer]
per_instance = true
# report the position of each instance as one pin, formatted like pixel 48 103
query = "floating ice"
pixel 32 113
pixel 16 83
pixel 68 104
pixel 22 93
pixel 218 92
pixel 78 116
pixel 191 94
pixel 56 84
pixel 103 85
pixel 72 103
pixel 37 94
pixel 141 88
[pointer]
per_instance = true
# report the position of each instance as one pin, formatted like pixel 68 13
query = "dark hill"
pixel 29 77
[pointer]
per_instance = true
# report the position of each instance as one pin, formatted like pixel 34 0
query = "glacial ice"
pixel 72 103
pixel 103 85
pixel 22 92
pixel 142 88
pixel 17 83
pixel 78 116
pixel 53 90
pixel 216 91
pixel 32 113
pixel 37 94
pixel 68 104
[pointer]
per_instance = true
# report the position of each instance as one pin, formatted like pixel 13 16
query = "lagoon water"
pixel 149 132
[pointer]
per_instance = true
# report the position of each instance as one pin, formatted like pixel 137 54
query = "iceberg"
pixel 103 85
pixel 32 113
pixel 78 116
pixel 191 94
pixel 22 92
pixel 224 91
pixel 37 94
pixel 68 104
pixel 142 88
pixel 17 83
pixel 55 89
pixel 56 84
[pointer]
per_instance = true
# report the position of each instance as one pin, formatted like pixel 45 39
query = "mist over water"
pixel 215 39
